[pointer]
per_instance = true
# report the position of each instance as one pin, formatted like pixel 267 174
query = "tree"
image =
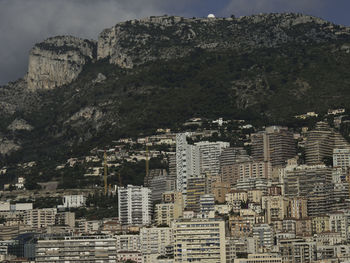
pixel 31 184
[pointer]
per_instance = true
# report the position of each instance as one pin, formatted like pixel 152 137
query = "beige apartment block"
pixel 275 145
pixel 154 241
pixel 199 240
pixel 320 224
pixel 219 190
pixel 276 207
pixel 38 218
pixel 236 195
pixel 303 227
pixel 164 214
pixel 77 249
pixel 298 208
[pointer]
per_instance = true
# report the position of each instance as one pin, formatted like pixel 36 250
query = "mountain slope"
pixel 161 71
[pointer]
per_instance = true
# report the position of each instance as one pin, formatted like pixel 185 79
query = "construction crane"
pixel 105 172
pixel 147 162
pixel 119 180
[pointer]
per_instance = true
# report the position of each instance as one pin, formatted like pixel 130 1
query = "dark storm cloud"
pixel 26 22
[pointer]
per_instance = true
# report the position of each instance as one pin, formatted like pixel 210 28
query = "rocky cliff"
pixel 139 41
pixel 58 61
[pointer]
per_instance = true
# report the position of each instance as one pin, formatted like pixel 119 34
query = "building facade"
pixel 134 205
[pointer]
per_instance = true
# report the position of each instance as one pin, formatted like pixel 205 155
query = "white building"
pixel 134 205
pixel 187 163
pixel 73 201
pixel 20 182
pixel 195 161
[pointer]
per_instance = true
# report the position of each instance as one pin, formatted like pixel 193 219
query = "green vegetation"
pixel 98 206
pixel 263 86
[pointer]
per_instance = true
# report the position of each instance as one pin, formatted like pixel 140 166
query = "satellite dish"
pixel 211 16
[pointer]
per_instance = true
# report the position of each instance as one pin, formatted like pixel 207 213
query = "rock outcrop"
pixel 19 125
pixel 58 61
pixel 8 146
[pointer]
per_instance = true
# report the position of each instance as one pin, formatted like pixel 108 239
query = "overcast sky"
pixel 26 22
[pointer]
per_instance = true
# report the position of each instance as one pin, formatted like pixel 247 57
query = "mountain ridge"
pixel 159 71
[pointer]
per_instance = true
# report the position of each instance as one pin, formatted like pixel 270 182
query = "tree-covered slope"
pixel 305 69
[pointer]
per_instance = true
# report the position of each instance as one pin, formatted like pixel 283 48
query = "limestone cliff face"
pixel 138 41
pixel 58 61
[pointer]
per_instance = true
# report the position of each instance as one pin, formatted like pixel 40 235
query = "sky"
pixel 26 22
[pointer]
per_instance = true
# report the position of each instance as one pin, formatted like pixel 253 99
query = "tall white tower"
pixel 134 205
pixel 187 162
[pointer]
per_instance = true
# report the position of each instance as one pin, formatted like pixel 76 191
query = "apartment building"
pixel 160 184
pixel 341 158
pixel 301 180
pixel 297 251
pixel 128 242
pixel 339 222
pixel 85 249
pixel 232 155
pixel 130 256
pixel 38 218
pixel 196 161
pixel 207 203
pixel 196 188
pixel 240 226
pixel 260 258
pixel 230 174
pixel 321 142
pixel 219 190
pixel 209 154
pixel 199 240
pixel 154 241
pixel 73 201
pixel 134 205
pixel 276 208
pixel 265 236
pixel 275 145
pixel 65 219
pixel 164 214
pixel 297 208
pixel 303 227
pixel 187 163
pixel 320 224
